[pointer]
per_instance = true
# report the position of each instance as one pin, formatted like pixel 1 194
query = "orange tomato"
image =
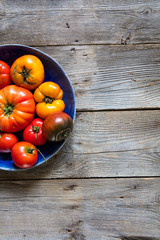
pixel 17 108
pixel 27 71
pixel 49 97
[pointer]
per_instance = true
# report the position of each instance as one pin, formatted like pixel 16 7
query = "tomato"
pixel 27 71
pixel 24 154
pixel 43 110
pixel 33 132
pixel 17 108
pixel 7 141
pixel 49 97
pixel 5 78
pixel 57 126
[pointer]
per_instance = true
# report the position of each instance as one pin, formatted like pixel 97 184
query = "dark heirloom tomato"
pixel 24 154
pixel 17 108
pixel 57 126
pixel 7 141
pixel 5 78
pixel 33 132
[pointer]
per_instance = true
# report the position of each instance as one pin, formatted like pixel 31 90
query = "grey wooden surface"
pixel 104 184
pixel 80 209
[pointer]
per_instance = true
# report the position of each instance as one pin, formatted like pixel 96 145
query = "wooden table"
pixel 104 184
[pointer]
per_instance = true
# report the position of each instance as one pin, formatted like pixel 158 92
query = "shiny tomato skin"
pixel 33 132
pixel 57 126
pixel 7 141
pixel 43 109
pixel 27 71
pixel 49 99
pixel 24 154
pixel 5 78
pixel 17 108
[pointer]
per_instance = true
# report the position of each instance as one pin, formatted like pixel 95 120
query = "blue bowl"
pixel 53 72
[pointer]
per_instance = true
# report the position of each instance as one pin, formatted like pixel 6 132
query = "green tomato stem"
pixel 35 130
pixel 8 109
pixel 30 150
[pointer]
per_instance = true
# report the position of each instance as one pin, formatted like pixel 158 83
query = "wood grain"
pixel 104 183
pixel 105 144
pixel 111 77
pixel 79 22
pixel 83 209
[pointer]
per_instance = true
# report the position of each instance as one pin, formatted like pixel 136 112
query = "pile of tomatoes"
pixel 20 102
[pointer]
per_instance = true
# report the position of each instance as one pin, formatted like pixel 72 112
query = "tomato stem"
pixel 62 135
pixel 8 109
pixel 26 74
pixel 35 129
pixel 48 99
pixel 30 150
pixel 41 154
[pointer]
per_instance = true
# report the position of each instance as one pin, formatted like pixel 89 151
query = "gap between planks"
pixel 88 178
pixel 92 44
pixel 117 110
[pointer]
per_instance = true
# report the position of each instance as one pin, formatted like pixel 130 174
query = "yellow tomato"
pixel 49 99
pixel 27 71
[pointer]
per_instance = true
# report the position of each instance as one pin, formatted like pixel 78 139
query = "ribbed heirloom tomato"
pixel 49 99
pixel 17 108
pixel 27 71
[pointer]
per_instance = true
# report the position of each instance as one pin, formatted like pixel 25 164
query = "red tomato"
pixel 7 141
pixel 5 78
pixel 33 132
pixel 24 154
pixel 17 108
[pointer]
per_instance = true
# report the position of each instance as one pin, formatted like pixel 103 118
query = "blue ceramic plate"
pixel 53 72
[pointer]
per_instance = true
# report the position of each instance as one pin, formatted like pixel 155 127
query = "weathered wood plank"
pixel 84 209
pixel 105 144
pixel 79 22
pixel 111 77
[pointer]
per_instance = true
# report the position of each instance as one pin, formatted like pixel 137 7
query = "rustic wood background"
pixel 104 184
